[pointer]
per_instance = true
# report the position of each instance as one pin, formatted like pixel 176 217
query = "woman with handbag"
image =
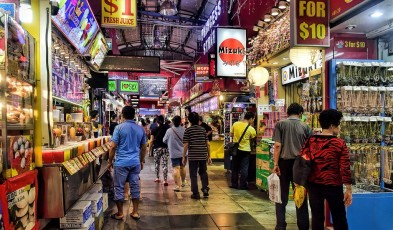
pixel 242 132
pixel 323 167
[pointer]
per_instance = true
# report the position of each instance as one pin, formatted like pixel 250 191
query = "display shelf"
pixel 20 127
pixel 66 101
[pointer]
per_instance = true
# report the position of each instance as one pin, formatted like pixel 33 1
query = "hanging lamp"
pixel 168 8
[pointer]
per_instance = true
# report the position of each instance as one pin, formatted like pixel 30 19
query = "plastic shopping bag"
pixel 274 188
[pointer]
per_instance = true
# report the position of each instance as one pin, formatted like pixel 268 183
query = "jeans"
pixel 286 177
pixel 335 197
pixel 240 164
pixel 198 167
pixel 128 174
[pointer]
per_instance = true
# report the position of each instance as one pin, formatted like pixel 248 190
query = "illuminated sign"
pixel 130 87
pixel 310 25
pixel 118 13
pixel 231 53
pixel 112 85
pixel 201 72
pixel 293 73
pixel 208 32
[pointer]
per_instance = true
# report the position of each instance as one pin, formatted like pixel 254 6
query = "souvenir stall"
pixel 361 89
pixel 17 159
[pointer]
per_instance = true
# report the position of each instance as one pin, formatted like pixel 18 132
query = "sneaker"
pixel 176 189
pixel 205 192
pixel 195 196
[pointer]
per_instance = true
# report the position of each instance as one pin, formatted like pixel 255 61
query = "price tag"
pixel 356 119
pixel 280 102
pixel 264 109
pixel 380 118
pixel 387 119
pixel 373 119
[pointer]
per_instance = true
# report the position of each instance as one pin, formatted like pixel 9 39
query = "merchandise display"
pixel 264 163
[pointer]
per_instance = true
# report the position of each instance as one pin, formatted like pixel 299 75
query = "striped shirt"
pixel 196 138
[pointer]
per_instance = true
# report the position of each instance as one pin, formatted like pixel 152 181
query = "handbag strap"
pixel 177 134
pixel 241 138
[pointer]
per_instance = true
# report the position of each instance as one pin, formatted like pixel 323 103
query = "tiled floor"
pixel 226 208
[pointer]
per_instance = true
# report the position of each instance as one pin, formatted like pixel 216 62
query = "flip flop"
pixel 136 218
pixel 116 217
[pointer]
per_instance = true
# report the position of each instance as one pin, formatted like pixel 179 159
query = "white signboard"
pixel 231 52
pixel 293 73
pixel 264 109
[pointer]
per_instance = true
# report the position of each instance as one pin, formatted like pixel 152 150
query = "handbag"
pixel 302 166
pixel 232 147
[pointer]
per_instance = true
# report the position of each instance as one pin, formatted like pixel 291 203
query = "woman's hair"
pixel 294 109
pixel 193 118
pixel 330 117
pixel 160 119
pixel 143 122
pixel 176 121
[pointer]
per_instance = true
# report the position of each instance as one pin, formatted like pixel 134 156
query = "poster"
pixel 98 50
pixel 118 14
pixel 152 87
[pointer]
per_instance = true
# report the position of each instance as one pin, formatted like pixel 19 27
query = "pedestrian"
pixel 289 136
pixel 174 139
pixel 197 146
pixel 129 146
pixel 330 169
pixel 160 150
pixel 152 128
pixel 241 161
pixel 208 129
pixel 113 124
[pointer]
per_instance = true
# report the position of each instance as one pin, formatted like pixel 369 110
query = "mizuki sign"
pixel 231 53
pixel 310 25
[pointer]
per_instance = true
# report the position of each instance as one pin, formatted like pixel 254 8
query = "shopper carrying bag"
pixel 234 146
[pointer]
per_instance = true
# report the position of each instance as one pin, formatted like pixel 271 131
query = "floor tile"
pixel 192 221
pixel 234 219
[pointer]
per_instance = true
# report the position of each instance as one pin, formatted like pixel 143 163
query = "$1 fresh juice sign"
pixel 118 13
pixel 311 23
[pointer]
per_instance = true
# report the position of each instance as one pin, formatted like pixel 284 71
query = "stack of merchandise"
pixel 264 162
pixel 269 121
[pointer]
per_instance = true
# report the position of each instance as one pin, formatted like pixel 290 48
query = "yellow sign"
pixel 118 13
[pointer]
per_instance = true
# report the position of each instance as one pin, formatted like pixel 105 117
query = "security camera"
pixel 54 7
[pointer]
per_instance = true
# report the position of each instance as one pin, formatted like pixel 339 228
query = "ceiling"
pixel 365 23
pixel 170 37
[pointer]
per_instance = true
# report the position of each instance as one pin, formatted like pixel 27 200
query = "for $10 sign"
pixel 118 13
pixel 311 23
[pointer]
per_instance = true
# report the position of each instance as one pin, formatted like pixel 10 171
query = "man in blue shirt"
pixel 129 146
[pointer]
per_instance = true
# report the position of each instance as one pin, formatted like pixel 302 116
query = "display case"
pixel 17 79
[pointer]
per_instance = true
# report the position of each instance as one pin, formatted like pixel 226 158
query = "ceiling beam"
pixel 127 51
pixel 197 16
pixel 195 21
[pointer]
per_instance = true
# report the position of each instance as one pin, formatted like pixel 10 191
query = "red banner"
pixel 339 7
pixel 348 44
pixel 311 23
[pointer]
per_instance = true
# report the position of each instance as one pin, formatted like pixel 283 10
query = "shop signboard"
pixel 152 87
pixel 340 7
pixel 98 50
pixel 201 72
pixel 112 85
pixel 128 87
pixel 310 25
pixel 208 33
pixel 231 53
pixel 77 23
pixel 350 44
pixel 8 8
pixel 292 73
pixel 118 14
pixel 196 90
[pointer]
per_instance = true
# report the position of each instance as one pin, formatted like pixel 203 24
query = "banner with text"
pixel 310 25
pixel 118 14
pixel 201 72
pixel 350 44
pixel 231 53
pixel 340 7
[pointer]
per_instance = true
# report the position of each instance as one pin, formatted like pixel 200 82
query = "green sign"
pixel 112 86
pixel 129 86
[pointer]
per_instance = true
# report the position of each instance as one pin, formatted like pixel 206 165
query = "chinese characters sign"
pixel 310 25
pixel 201 72
pixel 231 53
pixel 118 13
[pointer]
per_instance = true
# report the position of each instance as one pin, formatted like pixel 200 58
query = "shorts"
pixel 126 174
pixel 177 162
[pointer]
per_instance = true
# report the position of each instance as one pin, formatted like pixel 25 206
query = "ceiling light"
pixel 288 0
pixel 275 11
pixel 304 57
pixel 261 23
pixel 255 28
pixel 376 14
pixel 168 8
pixel 25 11
pixel 350 27
pixel 267 18
pixel 282 5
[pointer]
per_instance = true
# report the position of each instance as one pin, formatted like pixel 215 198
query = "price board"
pixel 118 14
pixel 310 25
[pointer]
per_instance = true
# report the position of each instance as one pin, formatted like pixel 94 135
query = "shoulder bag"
pixel 232 147
pixel 177 134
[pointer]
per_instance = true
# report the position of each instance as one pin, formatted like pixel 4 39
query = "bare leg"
pixel 176 175
pixel 135 205
pixel 127 191
pixel 119 205
pixel 183 174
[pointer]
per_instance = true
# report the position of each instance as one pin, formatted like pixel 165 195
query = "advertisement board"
pixel 77 23
pixel 98 50
pixel 128 87
pixel 293 73
pixel 340 7
pixel 118 14
pixel 112 85
pixel 152 87
pixel 310 23
pixel 350 44
pixel 231 53
pixel 201 72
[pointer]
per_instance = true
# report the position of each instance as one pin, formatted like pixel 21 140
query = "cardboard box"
pixel 96 188
pixel 89 225
pixel 105 201
pixel 96 202
pixel 99 221
pixel 79 214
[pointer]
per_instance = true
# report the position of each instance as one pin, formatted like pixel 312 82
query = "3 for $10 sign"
pixel 311 23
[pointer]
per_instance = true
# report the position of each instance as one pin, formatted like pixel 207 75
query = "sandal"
pixel 136 218
pixel 116 217
pixel 157 180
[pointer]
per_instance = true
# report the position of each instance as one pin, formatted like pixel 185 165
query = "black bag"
pixel 302 167
pixel 232 147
